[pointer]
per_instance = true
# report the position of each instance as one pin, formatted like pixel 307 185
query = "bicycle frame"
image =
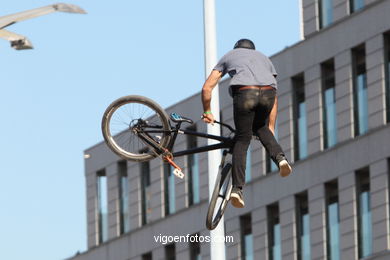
pixel 225 142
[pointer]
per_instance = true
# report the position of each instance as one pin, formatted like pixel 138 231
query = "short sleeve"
pixel 221 66
pixel 273 70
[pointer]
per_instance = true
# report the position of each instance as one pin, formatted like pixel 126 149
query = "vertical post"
pixel 301 21
pixel 217 248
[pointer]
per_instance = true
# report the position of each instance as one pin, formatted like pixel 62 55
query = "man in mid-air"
pixel 253 87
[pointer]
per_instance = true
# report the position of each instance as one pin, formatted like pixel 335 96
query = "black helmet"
pixel 245 43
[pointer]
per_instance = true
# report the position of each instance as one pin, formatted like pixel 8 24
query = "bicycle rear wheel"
pixel 130 112
pixel 220 198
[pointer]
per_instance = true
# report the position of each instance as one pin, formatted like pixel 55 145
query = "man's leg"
pixel 270 144
pixel 243 120
pixel 264 126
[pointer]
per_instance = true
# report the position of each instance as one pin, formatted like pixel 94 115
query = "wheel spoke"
pixel 130 113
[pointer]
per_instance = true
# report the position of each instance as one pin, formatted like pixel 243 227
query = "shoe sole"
pixel 284 169
pixel 236 201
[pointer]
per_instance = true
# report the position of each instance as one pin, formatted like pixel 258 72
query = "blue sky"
pixel 52 98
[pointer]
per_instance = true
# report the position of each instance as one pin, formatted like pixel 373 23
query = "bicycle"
pixel 136 128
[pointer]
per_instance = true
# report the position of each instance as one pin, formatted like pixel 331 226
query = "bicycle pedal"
pixel 178 173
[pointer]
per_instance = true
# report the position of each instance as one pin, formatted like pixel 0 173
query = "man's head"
pixel 244 43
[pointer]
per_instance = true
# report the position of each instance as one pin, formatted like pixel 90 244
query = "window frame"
pixel 359 68
pixel 320 14
pixel 363 184
pixel 331 197
pixel 298 86
pixel 301 209
pixel 273 219
pixel 192 141
pixel 124 224
pixel 328 73
pixel 245 229
pixel 145 183
pixel 102 227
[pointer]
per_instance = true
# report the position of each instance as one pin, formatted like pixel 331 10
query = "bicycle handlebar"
pixel 225 125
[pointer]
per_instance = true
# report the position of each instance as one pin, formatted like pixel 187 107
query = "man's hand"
pixel 208 118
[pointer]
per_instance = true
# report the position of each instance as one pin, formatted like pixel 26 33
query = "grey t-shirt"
pixel 247 67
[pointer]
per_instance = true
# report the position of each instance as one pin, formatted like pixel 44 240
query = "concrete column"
pixel 259 231
pixel 135 195
pixel 340 9
pixel 92 220
pixel 348 216
pixel 182 251
pixel 344 96
pixel 375 82
pixel 157 190
pixel 379 186
pixel 285 118
pixel 310 17
pixel 314 109
pixel 288 228
pixel 317 212
pixel 113 200
pixel 233 250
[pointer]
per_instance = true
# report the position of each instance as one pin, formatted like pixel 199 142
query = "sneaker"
pixel 236 198
pixel 284 168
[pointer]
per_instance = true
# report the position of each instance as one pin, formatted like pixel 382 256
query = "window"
pixel 270 165
pixel 146 191
pixel 355 5
pixel 193 169
pixel 274 237
pixel 124 216
pixel 387 75
pixel 246 237
pixel 147 256
pixel 332 221
pixel 169 189
pixel 102 206
pixel 329 103
pixel 170 253
pixel 364 212
pixel 303 226
pixel 195 248
pixel 326 12
pixel 248 167
pixel 300 125
pixel 360 90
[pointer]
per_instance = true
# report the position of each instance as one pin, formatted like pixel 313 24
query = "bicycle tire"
pixel 224 177
pixel 121 114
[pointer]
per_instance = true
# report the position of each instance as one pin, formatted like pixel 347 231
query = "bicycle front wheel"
pixel 220 197
pixel 127 113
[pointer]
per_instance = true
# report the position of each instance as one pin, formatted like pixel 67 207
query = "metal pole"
pixel 301 29
pixel 217 248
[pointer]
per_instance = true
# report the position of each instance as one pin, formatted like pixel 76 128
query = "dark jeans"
pixel 251 114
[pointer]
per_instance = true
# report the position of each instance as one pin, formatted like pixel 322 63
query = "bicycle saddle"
pixel 179 119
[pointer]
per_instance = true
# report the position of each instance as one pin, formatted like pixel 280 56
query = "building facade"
pixel 333 123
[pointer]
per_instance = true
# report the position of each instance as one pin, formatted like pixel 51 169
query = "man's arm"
pixel 272 116
pixel 208 87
